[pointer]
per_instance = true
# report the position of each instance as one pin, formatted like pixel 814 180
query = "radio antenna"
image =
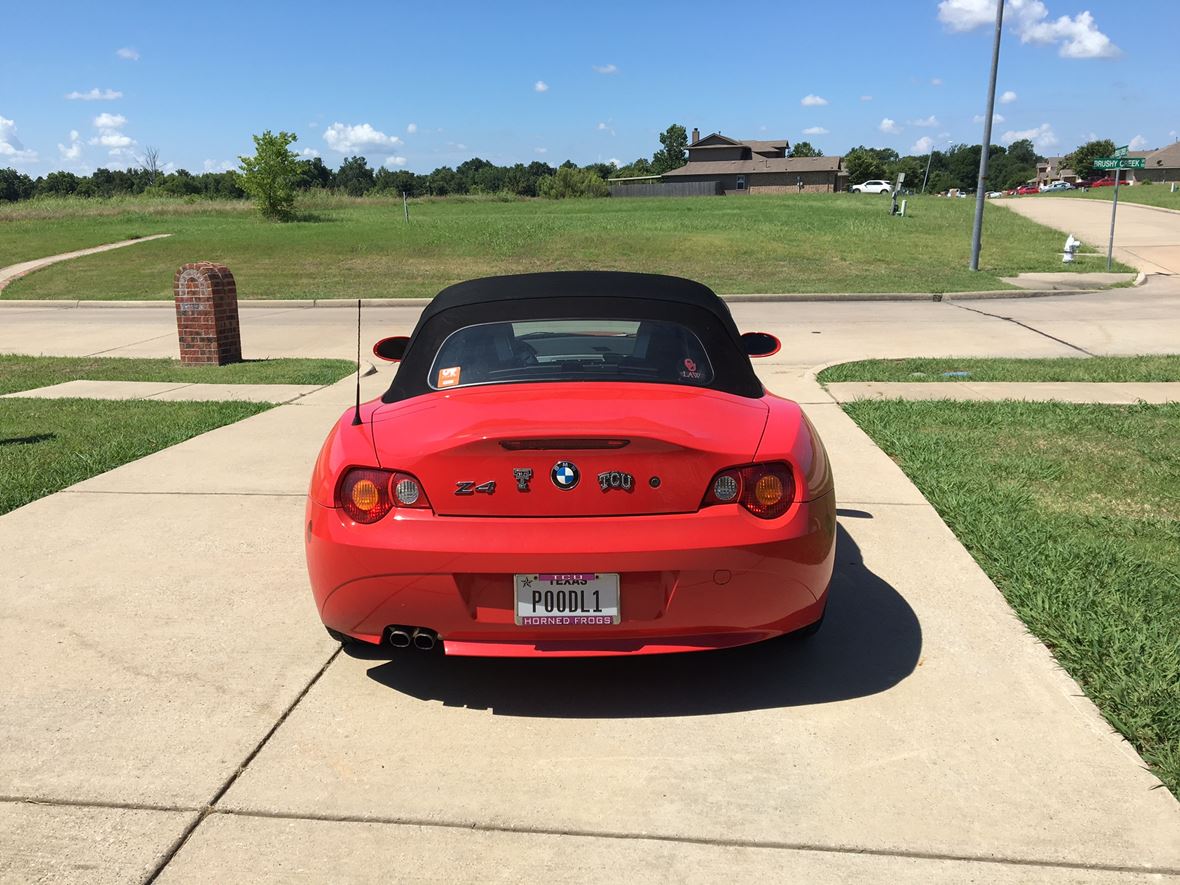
pixel 356 415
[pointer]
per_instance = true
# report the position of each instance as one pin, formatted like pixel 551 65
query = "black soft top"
pixel 578 294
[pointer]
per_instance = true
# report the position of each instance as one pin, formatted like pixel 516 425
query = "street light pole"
pixel 926 177
pixel 985 148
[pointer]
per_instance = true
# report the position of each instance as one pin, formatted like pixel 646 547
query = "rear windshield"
pixel 571 350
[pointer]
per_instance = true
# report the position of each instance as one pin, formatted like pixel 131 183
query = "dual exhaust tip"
pixel 418 637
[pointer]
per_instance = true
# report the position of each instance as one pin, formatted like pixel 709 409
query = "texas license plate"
pixel 567 600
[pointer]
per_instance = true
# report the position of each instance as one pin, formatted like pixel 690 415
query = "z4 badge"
pixel 615 479
pixel 468 487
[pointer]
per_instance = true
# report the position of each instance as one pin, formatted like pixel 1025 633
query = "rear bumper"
pixel 691 581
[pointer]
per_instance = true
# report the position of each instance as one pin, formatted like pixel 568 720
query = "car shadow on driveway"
pixel 870 641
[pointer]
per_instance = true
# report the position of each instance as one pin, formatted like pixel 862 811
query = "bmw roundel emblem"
pixel 564 475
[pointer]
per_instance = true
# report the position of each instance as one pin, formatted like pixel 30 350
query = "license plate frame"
pixel 597 596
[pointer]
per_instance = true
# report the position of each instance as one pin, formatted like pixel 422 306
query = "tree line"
pixel 955 167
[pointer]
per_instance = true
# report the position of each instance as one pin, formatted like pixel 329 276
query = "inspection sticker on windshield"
pixel 448 377
pixel 567 600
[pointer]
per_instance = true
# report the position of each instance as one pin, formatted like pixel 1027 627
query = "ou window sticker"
pixel 448 377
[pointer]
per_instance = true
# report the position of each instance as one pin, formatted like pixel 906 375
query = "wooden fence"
pixel 668 189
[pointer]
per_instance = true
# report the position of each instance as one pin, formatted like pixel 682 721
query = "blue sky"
pixel 419 85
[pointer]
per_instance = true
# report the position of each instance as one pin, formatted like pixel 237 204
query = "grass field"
pixel 1074 513
pixel 1098 368
pixel 46 445
pixel 351 248
pixel 1154 194
pixel 29 372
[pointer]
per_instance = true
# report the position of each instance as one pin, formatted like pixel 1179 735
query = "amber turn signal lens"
pixel 768 491
pixel 365 495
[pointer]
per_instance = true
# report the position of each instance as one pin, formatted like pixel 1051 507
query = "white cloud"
pixel 1008 97
pixel 889 127
pixel 815 130
pixel 109 128
pixel 540 86
pixel 395 161
pixel 357 139
pixel 922 145
pixel 605 127
pixel 1042 136
pixel 930 122
pixel 11 146
pixel 127 53
pixel 95 94
pixel 540 150
pixel 605 69
pixel 223 166
pixel 1077 36
pixel 936 81
pixel 74 151
pixel 1137 143
pixel 812 101
pixel 412 129
pixel 996 118
pixel 309 153
pixel 866 98
pixel 110 121
pixel 614 161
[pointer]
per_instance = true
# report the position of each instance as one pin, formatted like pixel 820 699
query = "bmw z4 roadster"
pixel 572 464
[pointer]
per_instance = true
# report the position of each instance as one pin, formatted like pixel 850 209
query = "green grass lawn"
pixel 1074 513
pixel 362 247
pixel 1154 194
pixel 46 445
pixel 29 372
pixel 1098 368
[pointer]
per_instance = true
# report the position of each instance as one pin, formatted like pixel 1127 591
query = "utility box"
pixel 207 315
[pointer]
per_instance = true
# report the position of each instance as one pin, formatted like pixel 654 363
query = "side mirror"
pixel 391 349
pixel 760 344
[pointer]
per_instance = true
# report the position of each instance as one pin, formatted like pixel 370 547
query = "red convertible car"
pixel 572 464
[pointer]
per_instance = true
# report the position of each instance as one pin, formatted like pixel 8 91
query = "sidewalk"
pixel 1033 391
pixel 169 390
pixel 173 674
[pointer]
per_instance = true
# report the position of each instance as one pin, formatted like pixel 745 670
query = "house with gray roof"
pixel 1161 165
pixel 756 167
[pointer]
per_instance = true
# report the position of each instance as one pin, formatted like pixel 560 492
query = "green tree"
pixel 270 175
pixel 863 164
pixel 313 173
pixel 804 149
pixel 354 176
pixel 571 181
pixel 674 152
pixel 1081 161
pixel 15 185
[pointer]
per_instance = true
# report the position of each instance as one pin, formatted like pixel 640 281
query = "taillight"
pixel 367 494
pixel 766 490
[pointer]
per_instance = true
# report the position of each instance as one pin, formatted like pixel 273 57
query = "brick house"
pixel 1161 165
pixel 1050 170
pixel 756 167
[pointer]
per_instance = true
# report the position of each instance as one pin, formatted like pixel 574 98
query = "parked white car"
pixel 872 187
pixel 1056 186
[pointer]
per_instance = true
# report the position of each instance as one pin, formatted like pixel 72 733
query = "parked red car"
pixel 1103 182
pixel 572 464
pixel 1028 189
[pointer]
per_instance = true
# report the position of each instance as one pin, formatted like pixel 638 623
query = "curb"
pixel 348 303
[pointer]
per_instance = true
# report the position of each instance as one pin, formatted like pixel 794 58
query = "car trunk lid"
pixel 568 450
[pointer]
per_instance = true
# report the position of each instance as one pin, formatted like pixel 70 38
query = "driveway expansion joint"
pixel 210 806
pixel 773 844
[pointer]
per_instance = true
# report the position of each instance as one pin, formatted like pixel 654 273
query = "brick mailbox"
pixel 207 314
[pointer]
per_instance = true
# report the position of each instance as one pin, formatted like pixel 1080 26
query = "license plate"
pixel 567 600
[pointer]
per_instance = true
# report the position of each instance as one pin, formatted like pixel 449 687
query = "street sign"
pixel 1122 151
pixel 1120 163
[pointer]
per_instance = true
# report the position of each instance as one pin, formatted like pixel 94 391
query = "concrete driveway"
pixel 1146 238
pixel 174 710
